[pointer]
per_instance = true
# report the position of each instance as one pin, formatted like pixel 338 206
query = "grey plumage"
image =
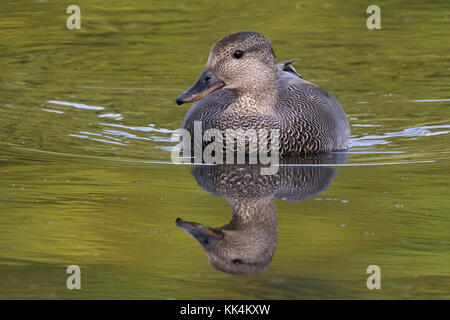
pixel 247 243
pixel 257 94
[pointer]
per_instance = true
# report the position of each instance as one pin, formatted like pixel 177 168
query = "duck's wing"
pixel 286 67
pixel 305 104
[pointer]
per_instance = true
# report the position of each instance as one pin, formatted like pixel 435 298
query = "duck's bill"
pixel 207 83
pixel 208 237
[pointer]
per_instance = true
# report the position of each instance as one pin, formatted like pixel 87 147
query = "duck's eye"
pixel 237 261
pixel 238 54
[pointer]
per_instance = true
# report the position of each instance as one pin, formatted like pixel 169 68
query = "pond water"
pixel 86 178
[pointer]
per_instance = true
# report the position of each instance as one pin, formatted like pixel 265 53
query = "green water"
pixel 93 184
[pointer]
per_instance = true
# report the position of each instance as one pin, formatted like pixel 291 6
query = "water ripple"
pixel 149 128
pixel 76 105
pixel 422 131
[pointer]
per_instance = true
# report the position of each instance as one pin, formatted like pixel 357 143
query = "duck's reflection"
pixel 247 243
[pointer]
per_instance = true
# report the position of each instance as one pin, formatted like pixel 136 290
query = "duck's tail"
pixel 286 66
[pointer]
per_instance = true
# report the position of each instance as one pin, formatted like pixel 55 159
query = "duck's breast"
pixel 207 110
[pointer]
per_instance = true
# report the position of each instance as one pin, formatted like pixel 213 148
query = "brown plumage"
pixel 253 92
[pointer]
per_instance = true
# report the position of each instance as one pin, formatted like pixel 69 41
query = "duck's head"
pixel 239 62
pixel 233 251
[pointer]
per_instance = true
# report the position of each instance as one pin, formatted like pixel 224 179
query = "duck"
pixel 243 87
pixel 247 243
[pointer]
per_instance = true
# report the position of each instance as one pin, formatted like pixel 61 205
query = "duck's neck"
pixel 257 100
pixel 257 213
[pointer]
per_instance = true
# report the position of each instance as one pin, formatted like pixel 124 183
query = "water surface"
pixel 86 118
